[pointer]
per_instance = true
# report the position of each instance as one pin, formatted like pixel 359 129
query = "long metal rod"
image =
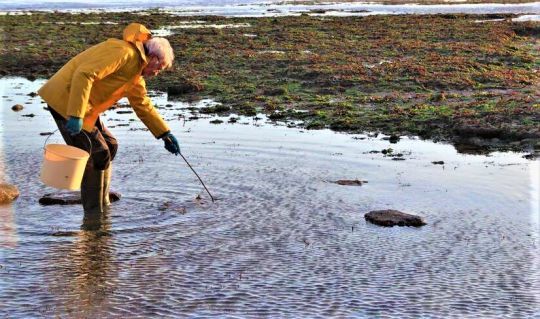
pixel 212 197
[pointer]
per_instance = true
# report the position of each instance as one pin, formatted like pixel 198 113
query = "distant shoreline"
pixel 290 8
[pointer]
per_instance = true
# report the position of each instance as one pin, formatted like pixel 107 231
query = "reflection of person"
pixel 94 80
pixel 90 260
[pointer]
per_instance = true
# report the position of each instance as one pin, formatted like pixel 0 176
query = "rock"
pixel 531 156
pixel 390 217
pixel 348 182
pixel 32 94
pixel 124 112
pixel 17 107
pixel 29 115
pixel 438 162
pixel 70 198
pixel 216 121
pixel 46 133
pixel 8 193
pixel 393 139
pixel 183 87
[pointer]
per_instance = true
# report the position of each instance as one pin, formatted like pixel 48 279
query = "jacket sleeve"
pixel 143 107
pixel 85 75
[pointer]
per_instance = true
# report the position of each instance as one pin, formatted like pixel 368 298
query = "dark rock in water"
pixel 438 162
pixel 390 217
pixel 70 198
pixel 347 182
pixel 216 121
pixel 29 115
pixel 124 112
pixel 32 94
pixel 46 133
pixel 17 107
pixel 8 193
pixel 393 139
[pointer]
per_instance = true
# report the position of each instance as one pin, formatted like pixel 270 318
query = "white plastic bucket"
pixel 63 166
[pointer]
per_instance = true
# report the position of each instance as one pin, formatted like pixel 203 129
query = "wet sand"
pixel 281 241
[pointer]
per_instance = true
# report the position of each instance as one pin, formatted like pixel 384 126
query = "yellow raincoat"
pixel 95 79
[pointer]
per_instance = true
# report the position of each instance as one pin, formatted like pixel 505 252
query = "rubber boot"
pixel 106 185
pixel 92 191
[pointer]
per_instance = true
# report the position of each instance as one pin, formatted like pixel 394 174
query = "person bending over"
pixel 89 84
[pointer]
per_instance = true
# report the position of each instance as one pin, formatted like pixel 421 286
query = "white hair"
pixel 161 48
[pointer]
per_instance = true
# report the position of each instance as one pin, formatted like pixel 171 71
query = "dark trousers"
pixel 103 143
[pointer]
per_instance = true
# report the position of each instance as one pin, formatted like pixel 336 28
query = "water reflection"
pixel 90 259
pixel 8 232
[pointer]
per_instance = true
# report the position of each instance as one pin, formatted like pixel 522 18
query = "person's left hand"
pixel 171 143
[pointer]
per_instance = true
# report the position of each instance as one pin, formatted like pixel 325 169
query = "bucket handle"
pixel 87 137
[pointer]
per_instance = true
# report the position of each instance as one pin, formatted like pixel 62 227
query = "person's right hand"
pixel 171 144
pixel 74 125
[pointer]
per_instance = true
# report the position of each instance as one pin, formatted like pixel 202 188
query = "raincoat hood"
pixel 137 34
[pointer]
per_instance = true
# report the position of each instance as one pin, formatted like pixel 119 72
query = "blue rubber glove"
pixel 171 144
pixel 74 125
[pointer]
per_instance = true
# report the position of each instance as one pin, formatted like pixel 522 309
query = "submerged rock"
pixel 347 182
pixel 17 107
pixel 70 198
pixel 391 217
pixel 8 193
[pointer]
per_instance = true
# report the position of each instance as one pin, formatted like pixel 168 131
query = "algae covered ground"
pixel 457 78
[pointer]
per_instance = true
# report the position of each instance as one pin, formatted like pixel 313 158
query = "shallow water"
pixel 281 241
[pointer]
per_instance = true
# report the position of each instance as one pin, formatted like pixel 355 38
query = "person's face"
pixel 153 67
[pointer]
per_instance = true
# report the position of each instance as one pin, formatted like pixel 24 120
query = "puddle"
pixel 282 241
pixel 528 17
pixel 523 18
pixel 168 30
pixel 271 52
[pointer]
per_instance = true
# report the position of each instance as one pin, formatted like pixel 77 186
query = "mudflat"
pixel 467 79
